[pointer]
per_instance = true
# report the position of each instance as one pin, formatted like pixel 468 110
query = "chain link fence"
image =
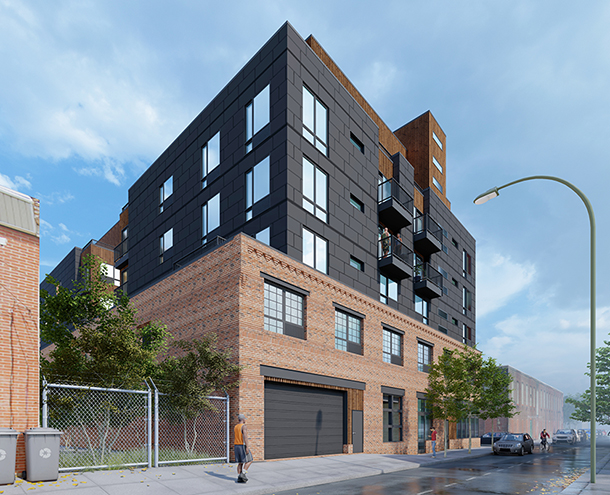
pixel 112 428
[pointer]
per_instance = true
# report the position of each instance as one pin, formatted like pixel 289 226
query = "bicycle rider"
pixel 544 436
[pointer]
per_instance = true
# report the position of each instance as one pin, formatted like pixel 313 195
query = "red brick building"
pixel 538 406
pixel 19 335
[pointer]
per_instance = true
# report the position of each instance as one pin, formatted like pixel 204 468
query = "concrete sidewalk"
pixel 264 477
pixel 602 480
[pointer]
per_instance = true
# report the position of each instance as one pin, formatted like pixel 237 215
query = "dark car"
pixel 514 443
pixel 486 439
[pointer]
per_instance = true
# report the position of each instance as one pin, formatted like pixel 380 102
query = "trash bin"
pixel 8 454
pixel 42 454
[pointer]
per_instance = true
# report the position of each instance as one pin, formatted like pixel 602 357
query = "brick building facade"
pixel 19 335
pixel 538 406
pixel 318 244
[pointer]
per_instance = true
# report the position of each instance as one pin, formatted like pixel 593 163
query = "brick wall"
pixel 19 337
pixel 223 292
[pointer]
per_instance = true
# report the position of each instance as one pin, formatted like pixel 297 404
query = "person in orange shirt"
pixel 243 456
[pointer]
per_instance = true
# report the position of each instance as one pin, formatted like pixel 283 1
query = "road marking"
pixel 468 479
pixel 422 493
pixel 486 474
pixel 451 484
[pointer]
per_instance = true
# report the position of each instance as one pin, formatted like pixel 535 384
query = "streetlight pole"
pixel 494 192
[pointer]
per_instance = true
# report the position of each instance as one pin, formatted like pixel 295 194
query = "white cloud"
pixel 500 279
pixel 55 198
pixel 18 183
pixel 59 235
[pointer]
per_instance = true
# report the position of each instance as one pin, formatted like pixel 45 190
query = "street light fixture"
pixel 495 192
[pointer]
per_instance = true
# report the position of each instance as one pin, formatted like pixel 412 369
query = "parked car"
pixel 514 443
pixel 486 439
pixel 566 436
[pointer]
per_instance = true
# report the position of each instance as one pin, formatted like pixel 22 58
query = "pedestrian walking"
pixel 433 438
pixel 243 455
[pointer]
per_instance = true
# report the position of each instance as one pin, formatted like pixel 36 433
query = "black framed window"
pixel 392 347
pixel 257 185
pixel 210 157
pixel 392 418
pixel 424 357
pixel 257 115
pixel 315 190
pixel 424 421
pixel 165 191
pixel 284 311
pixel 348 332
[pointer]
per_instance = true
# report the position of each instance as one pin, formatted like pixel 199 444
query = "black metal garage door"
pixel 302 421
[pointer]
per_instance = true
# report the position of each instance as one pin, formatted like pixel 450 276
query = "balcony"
pixel 395 205
pixel 394 258
pixel 427 235
pixel 121 256
pixel 427 282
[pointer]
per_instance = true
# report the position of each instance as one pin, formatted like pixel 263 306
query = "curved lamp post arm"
pixel 494 192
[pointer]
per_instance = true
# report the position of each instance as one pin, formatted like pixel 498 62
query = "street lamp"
pixel 495 192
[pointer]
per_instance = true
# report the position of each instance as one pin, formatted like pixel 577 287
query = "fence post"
pixel 227 421
pixel 45 407
pixel 149 427
pixel 156 423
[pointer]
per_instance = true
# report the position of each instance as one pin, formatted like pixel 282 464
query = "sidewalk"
pixel 602 480
pixel 264 477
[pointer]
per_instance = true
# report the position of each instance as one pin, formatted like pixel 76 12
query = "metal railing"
pixel 424 271
pixel 112 428
pixel 389 189
pixel 121 250
pixel 391 245
pixel 423 222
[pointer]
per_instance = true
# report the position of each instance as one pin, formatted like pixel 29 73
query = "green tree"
pixel 582 403
pixel 188 379
pixel 96 336
pixel 495 400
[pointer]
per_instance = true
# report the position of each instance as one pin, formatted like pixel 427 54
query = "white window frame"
pixel 391 291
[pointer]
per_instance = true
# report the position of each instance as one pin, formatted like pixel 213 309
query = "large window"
pixel 466 264
pixel 424 357
pixel 437 140
pixel 315 186
pixel 462 428
pixel 315 250
pixel 210 158
pixel 392 347
pixel 392 418
pixel 257 115
pixel 283 311
pixel 165 191
pixel 315 121
pixel 348 332
pixel 424 421
pixel 422 306
pixel 166 241
pixel 466 333
pixel 466 300
pixel 257 185
pixel 437 165
pixel 388 289
pixel 210 216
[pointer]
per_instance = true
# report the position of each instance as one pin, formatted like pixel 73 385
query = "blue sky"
pixel 93 92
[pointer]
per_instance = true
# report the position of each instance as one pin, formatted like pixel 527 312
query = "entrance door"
pixel 357 431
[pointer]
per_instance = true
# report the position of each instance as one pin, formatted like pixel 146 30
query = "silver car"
pixel 567 436
pixel 514 443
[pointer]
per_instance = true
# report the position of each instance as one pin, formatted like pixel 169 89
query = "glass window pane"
pixel 204 219
pixel 261 179
pixel 249 118
pixel 214 213
pixel 204 161
pixel 261 110
pixel 383 285
pixel 263 236
pixel 168 239
pixel 321 188
pixel 393 290
pixel 308 104
pixel 308 179
pixel 320 254
pixel 320 122
pixel 396 434
pixel 249 189
pixel 308 240
pixel 214 152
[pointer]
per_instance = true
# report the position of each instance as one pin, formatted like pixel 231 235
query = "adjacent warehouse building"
pixel 318 244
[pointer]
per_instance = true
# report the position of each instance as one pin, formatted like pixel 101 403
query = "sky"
pixel 92 92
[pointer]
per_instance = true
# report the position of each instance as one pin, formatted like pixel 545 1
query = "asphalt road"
pixel 540 473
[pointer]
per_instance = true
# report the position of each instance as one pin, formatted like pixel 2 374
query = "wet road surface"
pixel 539 473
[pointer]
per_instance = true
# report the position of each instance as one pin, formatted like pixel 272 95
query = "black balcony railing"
pixel 423 271
pixel 120 250
pixel 390 189
pixel 391 245
pixel 423 223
